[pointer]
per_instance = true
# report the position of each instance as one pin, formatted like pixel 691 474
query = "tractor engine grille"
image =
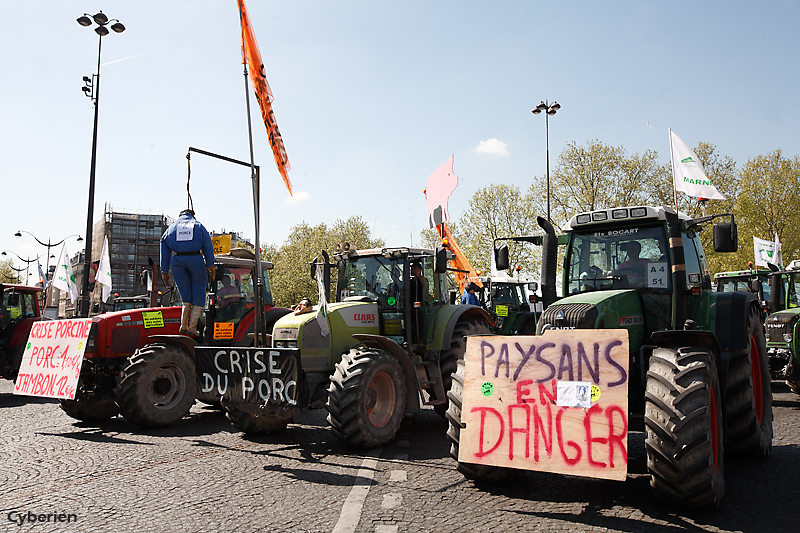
pixel 778 325
pixel 569 316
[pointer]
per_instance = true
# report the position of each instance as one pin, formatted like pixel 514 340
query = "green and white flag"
pixel 688 173
pixel 63 278
pixel 764 252
pixel 322 311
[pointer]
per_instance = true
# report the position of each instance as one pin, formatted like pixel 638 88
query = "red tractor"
pixel 19 309
pixel 138 364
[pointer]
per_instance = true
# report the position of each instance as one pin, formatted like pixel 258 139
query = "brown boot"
pixel 185 314
pixel 195 316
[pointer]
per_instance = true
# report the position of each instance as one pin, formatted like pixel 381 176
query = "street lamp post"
pixel 550 109
pixel 91 89
pixel 27 265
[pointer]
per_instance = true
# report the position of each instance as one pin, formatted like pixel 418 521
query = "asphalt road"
pixel 203 475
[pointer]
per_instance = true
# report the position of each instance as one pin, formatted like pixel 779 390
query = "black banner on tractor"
pixel 262 376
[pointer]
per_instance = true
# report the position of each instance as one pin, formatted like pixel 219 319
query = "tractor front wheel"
pixel 471 471
pixel 450 357
pixel 683 418
pixel 158 386
pixel 366 397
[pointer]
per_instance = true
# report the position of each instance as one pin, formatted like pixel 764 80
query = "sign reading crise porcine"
pixel 554 403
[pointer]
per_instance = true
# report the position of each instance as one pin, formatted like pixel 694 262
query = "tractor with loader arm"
pixel 137 363
pixel 698 380
pixel 388 342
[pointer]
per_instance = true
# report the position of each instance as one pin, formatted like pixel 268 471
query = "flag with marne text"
pixel 688 173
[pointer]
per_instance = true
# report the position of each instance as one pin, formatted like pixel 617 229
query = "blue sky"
pixel 370 97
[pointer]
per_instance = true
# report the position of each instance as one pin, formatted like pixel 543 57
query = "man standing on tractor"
pixel 190 243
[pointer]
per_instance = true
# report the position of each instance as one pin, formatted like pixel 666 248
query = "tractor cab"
pixel 402 283
pixel 19 309
pixel 232 298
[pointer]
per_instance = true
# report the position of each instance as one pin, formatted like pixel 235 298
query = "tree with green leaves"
pixel 767 204
pixel 291 277
pixel 495 211
pixel 7 273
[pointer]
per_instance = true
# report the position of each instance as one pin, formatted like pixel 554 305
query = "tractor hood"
pixel 614 309
pixel 320 352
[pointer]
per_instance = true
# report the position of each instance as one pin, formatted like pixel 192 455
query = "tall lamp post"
pixel 91 89
pixel 549 109
pixel 27 266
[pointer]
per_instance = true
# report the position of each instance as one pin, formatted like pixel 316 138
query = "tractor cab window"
pixel 372 279
pixel 618 259
pixel 16 305
pixel 236 294
pixel 793 291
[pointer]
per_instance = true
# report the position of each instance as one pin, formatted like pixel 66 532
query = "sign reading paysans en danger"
pixel 553 403
pixel 51 362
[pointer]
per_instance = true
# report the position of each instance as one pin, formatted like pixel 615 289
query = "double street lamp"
pixel 549 109
pixel 48 244
pixel 91 89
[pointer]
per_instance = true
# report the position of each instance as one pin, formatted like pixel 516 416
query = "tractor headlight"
pixel 787 337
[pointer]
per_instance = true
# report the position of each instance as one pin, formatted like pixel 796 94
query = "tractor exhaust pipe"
pixel 549 261
pixel 679 302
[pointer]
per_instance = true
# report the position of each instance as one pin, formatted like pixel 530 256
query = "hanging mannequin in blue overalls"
pixel 186 247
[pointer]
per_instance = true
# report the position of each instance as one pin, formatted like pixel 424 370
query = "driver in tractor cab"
pixel 228 293
pixel 635 266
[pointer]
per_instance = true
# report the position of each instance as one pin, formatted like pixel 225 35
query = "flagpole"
pixel 672 164
pixel 259 286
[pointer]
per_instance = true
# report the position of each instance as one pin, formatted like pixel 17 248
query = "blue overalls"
pixel 188 239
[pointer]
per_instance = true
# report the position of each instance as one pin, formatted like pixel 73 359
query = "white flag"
pixel 777 254
pixel 322 312
pixel 103 275
pixel 688 173
pixel 763 251
pixel 63 278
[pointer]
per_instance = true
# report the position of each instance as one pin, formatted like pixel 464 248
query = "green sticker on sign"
pixel 487 388
pixel 392 300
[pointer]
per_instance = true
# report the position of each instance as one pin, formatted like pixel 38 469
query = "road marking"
pixel 398 475
pixel 392 500
pixel 351 510
pixel 386 529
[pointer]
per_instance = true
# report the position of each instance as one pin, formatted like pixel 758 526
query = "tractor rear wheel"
pixel 474 472
pixel 158 386
pixel 254 423
pixel 748 396
pixel 366 397
pixel 90 411
pixel 449 358
pixel 683 419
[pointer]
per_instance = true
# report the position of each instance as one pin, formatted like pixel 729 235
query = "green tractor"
pixel 511 303
pixel 783 326
pixel 699 380
pixel 389 342
pixel 753 280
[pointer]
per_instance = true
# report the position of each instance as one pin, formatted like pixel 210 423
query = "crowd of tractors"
pixel 392 338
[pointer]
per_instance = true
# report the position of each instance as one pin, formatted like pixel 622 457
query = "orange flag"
pixel 252 58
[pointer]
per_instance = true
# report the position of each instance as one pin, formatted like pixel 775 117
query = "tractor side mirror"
pixel 726 237
pixel 13 299
pixel 756 286
pixel 440 260
pixel 501 257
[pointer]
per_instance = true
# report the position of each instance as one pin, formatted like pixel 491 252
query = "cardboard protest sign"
pixel 554 403
pixel 51 362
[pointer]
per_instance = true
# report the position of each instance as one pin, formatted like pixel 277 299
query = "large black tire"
pixel 366 397
pixel 683 419
pixel 253 422
pixel 86 411
pixel 158 386
pixel 748 396
pixel 450 357
pixel 474 472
